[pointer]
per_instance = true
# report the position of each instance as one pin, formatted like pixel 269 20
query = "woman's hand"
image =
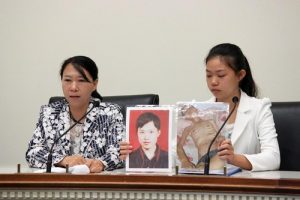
pixel 187 164
pixel 125 149
pixel 95 166
pixel 226 151
pixel 71 161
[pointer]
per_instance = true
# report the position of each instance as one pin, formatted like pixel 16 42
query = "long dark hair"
pixel 80 63
pixel 233 56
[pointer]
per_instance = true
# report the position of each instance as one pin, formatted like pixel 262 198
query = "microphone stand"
pixel 49 160
pixel 207 158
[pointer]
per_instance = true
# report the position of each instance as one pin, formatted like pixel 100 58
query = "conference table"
pixel 245 185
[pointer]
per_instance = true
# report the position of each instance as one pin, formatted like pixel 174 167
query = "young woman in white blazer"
pixel 252 143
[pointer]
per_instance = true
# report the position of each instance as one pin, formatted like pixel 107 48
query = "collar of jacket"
pixel 241 118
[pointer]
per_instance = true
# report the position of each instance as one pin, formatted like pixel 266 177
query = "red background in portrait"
pixel 164 127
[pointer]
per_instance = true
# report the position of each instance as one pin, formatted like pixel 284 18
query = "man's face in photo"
pixel 148 135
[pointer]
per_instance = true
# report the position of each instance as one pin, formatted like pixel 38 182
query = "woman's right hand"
pixel 71 161
pixel 187 164
pixel 125 149
pixel 95 166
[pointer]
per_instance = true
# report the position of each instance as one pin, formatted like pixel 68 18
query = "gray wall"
pixel 140 46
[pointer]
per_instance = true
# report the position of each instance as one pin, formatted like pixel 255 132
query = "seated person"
pixel 94 140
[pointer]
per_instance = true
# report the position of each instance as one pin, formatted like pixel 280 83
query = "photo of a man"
pixel 149 133
pixel 149 154
pixel 197 125
pixel 202 131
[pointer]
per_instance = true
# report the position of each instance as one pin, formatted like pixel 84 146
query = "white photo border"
pixel 170 126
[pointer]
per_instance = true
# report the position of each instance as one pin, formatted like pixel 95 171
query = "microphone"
pixel 235 100
pixel 49 160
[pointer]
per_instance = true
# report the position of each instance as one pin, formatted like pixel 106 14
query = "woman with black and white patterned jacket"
pixel 94 140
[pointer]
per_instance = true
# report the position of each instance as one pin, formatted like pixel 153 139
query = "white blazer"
pixel 254 134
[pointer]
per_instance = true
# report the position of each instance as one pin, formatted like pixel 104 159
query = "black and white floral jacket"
pixel 103 130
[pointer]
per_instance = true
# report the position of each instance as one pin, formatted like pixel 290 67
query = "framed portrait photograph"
pixel 148 130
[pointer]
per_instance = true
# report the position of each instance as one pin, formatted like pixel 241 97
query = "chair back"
pixel 124 101
pixel 287 122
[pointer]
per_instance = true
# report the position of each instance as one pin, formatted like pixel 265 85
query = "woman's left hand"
pixel 226 151
pixel 96 166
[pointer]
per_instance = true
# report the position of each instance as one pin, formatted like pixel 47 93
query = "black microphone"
pixel 49 161
pixel 235 99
